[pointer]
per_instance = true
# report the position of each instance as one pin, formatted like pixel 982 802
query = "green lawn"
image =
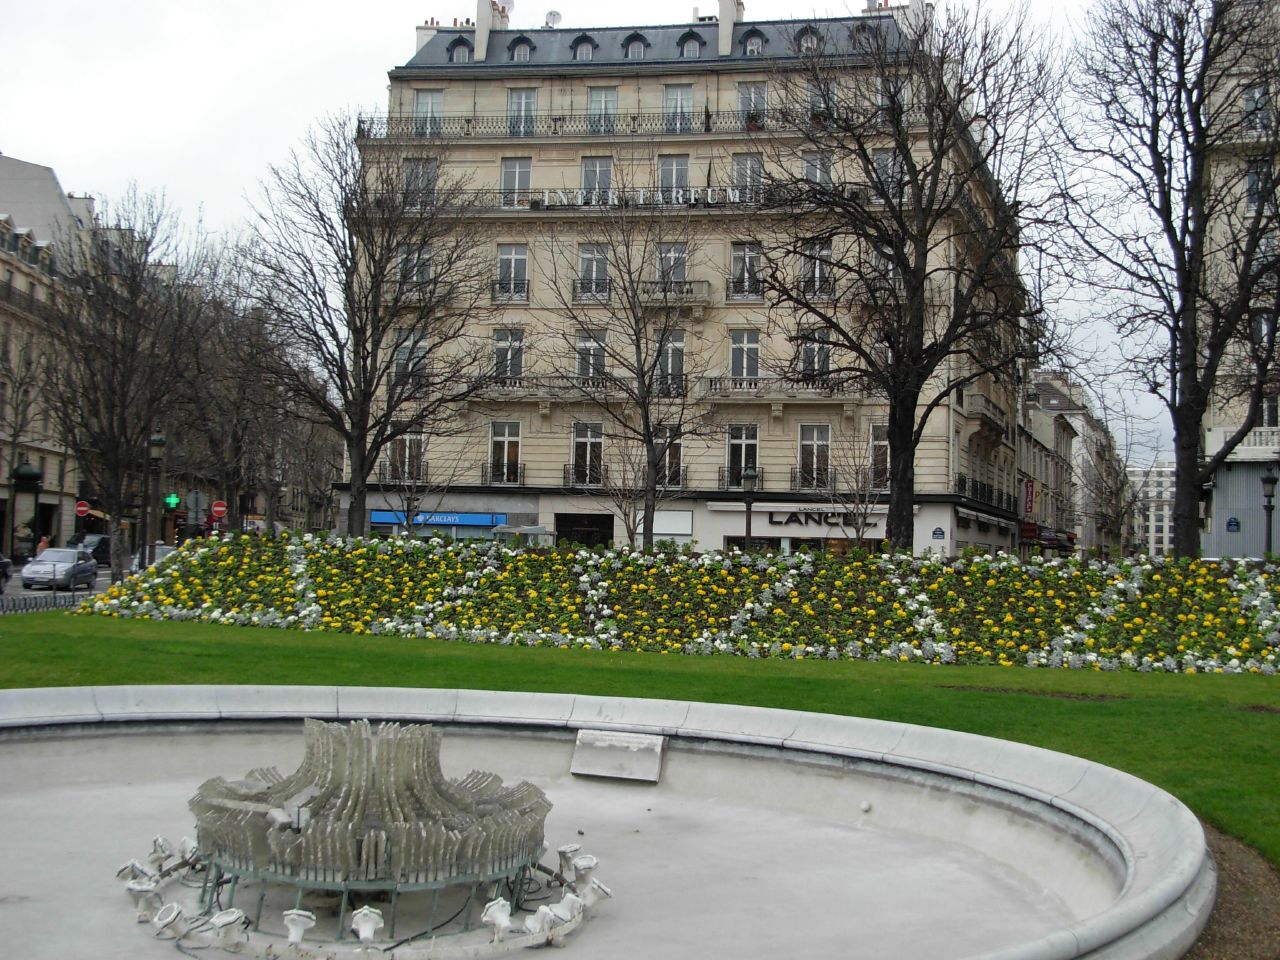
pixel 1211 740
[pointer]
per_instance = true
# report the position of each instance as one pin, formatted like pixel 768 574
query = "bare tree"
pixel 1173 198
pixel 906 183
pixel 22 370
pixel 416 476
pixel 125 319
pixel 854 488
pixel 369 274
pixel 626 309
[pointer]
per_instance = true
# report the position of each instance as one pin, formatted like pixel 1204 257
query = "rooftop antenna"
pixel 553 18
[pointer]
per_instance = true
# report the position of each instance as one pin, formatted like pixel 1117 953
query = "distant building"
pixel 1153 514
pixel 1046 441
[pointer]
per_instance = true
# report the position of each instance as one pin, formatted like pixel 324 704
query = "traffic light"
pixel 171 500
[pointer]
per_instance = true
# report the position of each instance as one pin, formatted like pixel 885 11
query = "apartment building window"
pixel 673 172
pixel 591 354
pixel 1270 414
pixel 520 52
pixel 890 171
pixel 742 452
pixel 744 271
pixel 409 360
pixel 1256 101
pixel 1259 181
pixel 815 455
pixel 815 265
pixel 428 112
pixel 817 167
pixel 602 107
pixel 753 46
pixel 522 107
pixel 406 458
pixel 670 380
pixel 635 50
pixel 593 271
pixel 879 443
pixel 516 175
pixel 667 439
pixel 753 98
pixel 691 50
pixel 677 107
pixel 504 452
pixel 814 360
pixel 585 50
pixel 415 264
pixel 891 89
pixel 673 264
pixel 744 354
pixel 508 354
pixel 513 271
pixel 597 178
pixel 419 175
pixel 461 53
pixel 588 453
pixel 808 42
pixel 748 176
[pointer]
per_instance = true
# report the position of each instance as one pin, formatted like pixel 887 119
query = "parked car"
pixel 97 545
pixel 61 568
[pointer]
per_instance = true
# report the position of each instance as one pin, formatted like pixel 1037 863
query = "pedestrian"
pixel 42 546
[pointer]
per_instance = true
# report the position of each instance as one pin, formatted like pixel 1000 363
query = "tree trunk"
pixel 900 526
pixel 357 523
pixel 1186 483
pixel 650 504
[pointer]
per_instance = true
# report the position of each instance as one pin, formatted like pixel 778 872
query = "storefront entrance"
pixel 588 529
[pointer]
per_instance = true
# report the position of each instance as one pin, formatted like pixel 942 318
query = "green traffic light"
pixel 172 500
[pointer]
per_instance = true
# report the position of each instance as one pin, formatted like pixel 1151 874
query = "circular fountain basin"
pixel 768 830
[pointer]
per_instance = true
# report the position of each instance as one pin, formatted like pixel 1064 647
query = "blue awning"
pixel 396 517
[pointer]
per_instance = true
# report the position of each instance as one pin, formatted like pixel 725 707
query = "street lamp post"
pixel 1268 504
pixel 155 451
pixel 750 475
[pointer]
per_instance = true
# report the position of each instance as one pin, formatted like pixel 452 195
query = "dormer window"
pixel 807 41
pixel 520 53
pixel 583 47
pixel 753 45
pixel 691 50
pixel 460 51
pixel 634 46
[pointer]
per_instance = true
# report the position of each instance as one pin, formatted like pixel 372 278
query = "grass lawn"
pixel 1210 740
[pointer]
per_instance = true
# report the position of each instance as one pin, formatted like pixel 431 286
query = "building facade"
pixel 562 131
pixel 1153 514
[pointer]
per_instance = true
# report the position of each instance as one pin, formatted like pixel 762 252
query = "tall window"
pixel 816 279
pixel 744 354
pixel 635 50
pixel 593 272
pixel 673 264
pixel 409 359
pixel 1257 106
pixel 891 93
pixel 588 454
pixel 1270 416
pixel 670 472
pixel 817 167
pixel 744 271
pixel 428 111
pixel 677 105
pixel 815 455
pixel 591 355
pixel 584 51
pixel 673 172
pixel 691 50
pixel 890 171
pixel 670 380
pixel 419 181
pixel 1259 181
pixel 504 452
pixel 508 354
pixel 597 178
pixel 742 452
pixel 522 106
pixel 753 96
pixel 520 53
pixel 602 107
pixel 748 176
pixel 406 458
pixel 814 360
pixel 516 173
pixel 879 441
pixel 415 265
pixel 513 272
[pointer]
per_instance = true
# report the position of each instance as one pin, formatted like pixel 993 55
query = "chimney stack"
pixel 426 32
pixel 732 13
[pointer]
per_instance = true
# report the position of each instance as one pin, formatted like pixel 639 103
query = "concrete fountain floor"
pixel 738 854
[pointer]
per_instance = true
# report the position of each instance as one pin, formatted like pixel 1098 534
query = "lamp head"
pixel 1268 484
pixel 750 476
pixel 155 446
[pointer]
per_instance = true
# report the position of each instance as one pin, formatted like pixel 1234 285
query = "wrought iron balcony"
pixel 730 478
pixel 592 289
pixel 670 385
pixel 402 471
pixel 508 290
pixel 591 473
pixel 674 292
pixel 23 300
pixel 502 473
pixel 671 477
pixel 816 477
pixel 984 492
pixel 759 388
pixel 818 288
pixel 557 124
pixel 744 288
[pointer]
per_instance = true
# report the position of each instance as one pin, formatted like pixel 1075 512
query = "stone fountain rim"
pixel 1169 875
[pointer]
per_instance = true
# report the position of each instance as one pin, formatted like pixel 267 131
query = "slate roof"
pixel 32 198
pixel 555 46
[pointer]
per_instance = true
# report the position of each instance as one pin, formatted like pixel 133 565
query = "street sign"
pixel 939 533
pixel 82 508
pixel 197 501
pixel 218 508
pixel 1233 524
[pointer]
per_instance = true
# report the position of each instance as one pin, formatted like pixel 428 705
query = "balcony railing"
pixel 744 288
pixel 554 124
pixel 672 477
pixel 399 471
pixel 812 478
pixel 674 291
pixel 590 473
pixel 985 493
pixel 505 200
pixel 510 290
pixel 761 387
pixel 592 290
pixel 502 473
pixel 21 299
pixel 818 288
pixel 730 478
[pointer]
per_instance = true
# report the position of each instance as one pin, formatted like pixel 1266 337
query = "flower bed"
pixel 1174 616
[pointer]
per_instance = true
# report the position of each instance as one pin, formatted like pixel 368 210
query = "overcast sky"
pixel 197 100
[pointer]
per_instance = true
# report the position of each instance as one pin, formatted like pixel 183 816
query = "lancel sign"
pixel 797 518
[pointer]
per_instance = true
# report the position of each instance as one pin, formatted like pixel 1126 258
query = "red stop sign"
pixel 82 508
pixel 218 508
